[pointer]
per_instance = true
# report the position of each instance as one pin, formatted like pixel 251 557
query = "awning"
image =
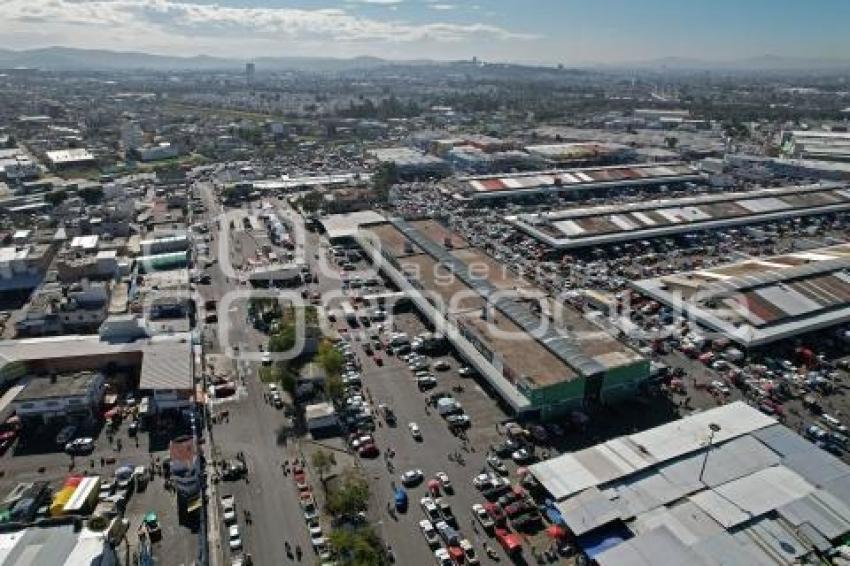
pixel 598 541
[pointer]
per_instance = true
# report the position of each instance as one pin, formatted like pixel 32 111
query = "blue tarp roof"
pixel 599 540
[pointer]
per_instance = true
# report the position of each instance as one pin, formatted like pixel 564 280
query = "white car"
pixel 429 506
pixel 234 538
pixel 228 505
pixel 483 517
pixel 443 558
pixel 429 532
pixel 469 552
pixel 414 431
pixel 720 386
pixel 445 482
pixel 411 477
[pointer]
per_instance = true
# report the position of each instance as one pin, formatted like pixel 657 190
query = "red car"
pixel 495 512
pixel 509 541
pixel 368 451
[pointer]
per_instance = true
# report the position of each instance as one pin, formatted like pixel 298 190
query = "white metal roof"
pixel 751 496
pixel 574 472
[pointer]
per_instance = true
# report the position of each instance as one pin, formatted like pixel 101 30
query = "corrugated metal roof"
pixel 825 512
pixel 752 496
pixel 560 344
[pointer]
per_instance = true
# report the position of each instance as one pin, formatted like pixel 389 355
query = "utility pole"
pixel 713 428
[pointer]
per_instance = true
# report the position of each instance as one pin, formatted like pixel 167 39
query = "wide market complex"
pixel 602 225
pixel 502 325
pixel 574 180
pixel 762 300
pixel 725 486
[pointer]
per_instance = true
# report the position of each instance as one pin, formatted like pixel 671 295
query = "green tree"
pixel 334 387
pixel 284 339
pixel 330 359
pixel 323 462
pixel 350 496
pixel 358 547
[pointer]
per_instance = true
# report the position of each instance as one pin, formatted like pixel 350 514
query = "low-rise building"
pixel 74 397
pixel 66 158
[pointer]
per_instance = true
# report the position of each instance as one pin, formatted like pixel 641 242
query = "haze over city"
pixel 574 32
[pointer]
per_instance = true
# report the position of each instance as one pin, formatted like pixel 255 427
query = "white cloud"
pixel 441 6
pixel 184 20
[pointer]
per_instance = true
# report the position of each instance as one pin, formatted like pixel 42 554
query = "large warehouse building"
pixel 493 319
pixel 584 227
pixel 762 300
pixel 725 486
pixel 565 181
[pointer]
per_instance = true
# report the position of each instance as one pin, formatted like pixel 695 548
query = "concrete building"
pixel 57 309
pixel 582 154
pixel 762 300
pixel 23 267
pixel 816 144
pixel 496 322
pixel 582 180
pixel 725 486
pixel 604 225
pixel 75 397
pixel 157 152
pixel 66 158
pixel 164 365
pixel 412 164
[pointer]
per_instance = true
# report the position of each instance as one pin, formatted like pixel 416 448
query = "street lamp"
pixel 713 428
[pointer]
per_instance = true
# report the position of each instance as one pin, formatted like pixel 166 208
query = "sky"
pixel 571 32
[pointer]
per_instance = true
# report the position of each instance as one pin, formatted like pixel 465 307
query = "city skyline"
pixel 577 32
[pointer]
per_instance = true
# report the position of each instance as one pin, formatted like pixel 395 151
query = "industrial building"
pixel 725 486
pixel 578 154
pixel 762 300
pixel 581 180
pixel 602 225
pixel 64 158
pixel 410 163
pixel 502 325
pixel 816 144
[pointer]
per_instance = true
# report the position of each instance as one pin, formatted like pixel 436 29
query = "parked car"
pixel 445 482
pixel 430 534
pixel 80 446
pixel 484 519
pixel 234 538
pixel 228 505
pixel 429 506
pixel 411 478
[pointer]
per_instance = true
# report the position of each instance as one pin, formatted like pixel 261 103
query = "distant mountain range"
pixel 71 59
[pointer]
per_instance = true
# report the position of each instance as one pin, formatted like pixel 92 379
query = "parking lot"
pixel 39 458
